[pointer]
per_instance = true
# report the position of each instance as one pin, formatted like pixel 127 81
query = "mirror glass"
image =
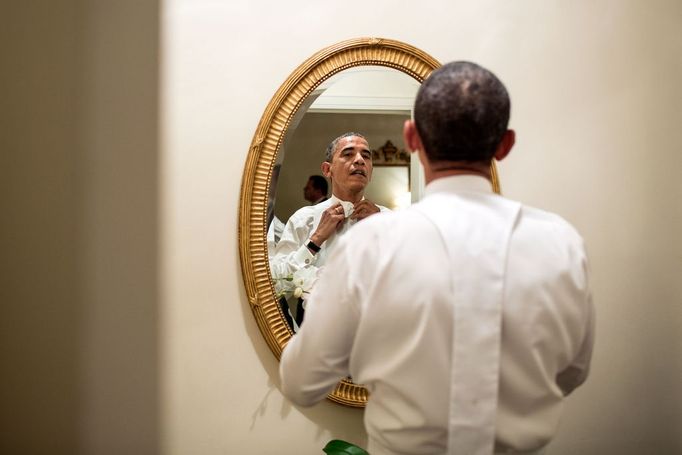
pixel 374 101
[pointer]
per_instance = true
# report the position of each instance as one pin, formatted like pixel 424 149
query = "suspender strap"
pixel 475 229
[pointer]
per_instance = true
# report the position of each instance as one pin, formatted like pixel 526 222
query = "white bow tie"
pixel 348 208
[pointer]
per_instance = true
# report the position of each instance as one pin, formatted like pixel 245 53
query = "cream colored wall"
pixel 595 95
pixel 79 323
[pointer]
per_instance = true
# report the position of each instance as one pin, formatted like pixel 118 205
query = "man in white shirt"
pixel 311 231
pixel 467 316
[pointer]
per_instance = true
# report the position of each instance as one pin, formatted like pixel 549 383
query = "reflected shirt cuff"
pixel 303 257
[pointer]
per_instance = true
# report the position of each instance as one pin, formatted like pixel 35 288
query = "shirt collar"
pixel 348 206
pixel 459 183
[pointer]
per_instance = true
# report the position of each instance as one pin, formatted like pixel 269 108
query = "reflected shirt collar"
pixel 459 183
pixel 348 206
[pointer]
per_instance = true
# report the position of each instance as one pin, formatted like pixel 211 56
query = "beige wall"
pixel 79 321
pixel 39 284
pixel 124 321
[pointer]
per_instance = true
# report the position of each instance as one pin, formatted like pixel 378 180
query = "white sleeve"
pixel 576 373
pixel 573 376
pixel 291 253
pixel 317 357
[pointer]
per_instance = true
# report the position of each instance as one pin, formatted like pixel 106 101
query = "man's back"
pixel 394 304
pixel 468 317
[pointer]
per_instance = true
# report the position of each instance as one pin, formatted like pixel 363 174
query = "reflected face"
pixel 351 166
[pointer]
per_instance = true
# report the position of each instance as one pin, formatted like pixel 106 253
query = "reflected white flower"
pixel 305 279
pixel 298 292
pixel 298 285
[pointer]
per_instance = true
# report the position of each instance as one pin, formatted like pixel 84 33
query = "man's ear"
pixel 326 167
pixel 414 144
pixel 411 136
pixel 505 145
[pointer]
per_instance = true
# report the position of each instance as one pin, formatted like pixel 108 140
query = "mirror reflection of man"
pixel 312 231
pixel 315 190
pixel 467 316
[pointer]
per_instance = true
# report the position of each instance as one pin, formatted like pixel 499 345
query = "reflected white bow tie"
pixel 347 208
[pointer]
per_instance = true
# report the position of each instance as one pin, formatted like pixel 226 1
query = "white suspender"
pixel 476 229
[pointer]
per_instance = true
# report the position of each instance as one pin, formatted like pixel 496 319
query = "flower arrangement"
pixel 298 285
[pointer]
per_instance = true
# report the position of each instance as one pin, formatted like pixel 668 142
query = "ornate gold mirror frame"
pixel 260 161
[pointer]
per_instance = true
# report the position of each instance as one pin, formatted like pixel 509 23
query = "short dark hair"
pixel 329 154
pixel 461 113
pixel 319 183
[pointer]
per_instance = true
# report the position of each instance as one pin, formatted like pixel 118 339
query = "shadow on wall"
pixel 333 421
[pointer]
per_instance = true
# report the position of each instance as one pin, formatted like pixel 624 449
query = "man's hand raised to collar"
pixel 330 221
pixel 363 209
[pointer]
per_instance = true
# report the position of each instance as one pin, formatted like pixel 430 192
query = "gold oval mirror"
pixel 281 115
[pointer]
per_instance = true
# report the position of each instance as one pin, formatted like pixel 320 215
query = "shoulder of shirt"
pixel 553 228
pixel 309 211
pixel 371 233
pixel 547 223
pixel 549 220
pixel 383 221
pixel 544 221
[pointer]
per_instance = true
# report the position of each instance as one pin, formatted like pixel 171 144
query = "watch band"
pixel 312 247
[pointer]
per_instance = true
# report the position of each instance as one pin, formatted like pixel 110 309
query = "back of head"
pixel 319 183
pixel 461 113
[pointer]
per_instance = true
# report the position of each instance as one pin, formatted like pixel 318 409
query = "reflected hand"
pixel 363 209
pixel 331 220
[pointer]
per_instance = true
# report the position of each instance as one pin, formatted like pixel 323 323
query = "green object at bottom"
pixel 339 447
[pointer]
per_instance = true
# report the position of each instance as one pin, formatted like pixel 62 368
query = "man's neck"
pixel 446 169
pixel 348 196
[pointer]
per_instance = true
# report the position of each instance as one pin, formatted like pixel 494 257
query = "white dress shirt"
pixel 291 253
pixel 383 313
